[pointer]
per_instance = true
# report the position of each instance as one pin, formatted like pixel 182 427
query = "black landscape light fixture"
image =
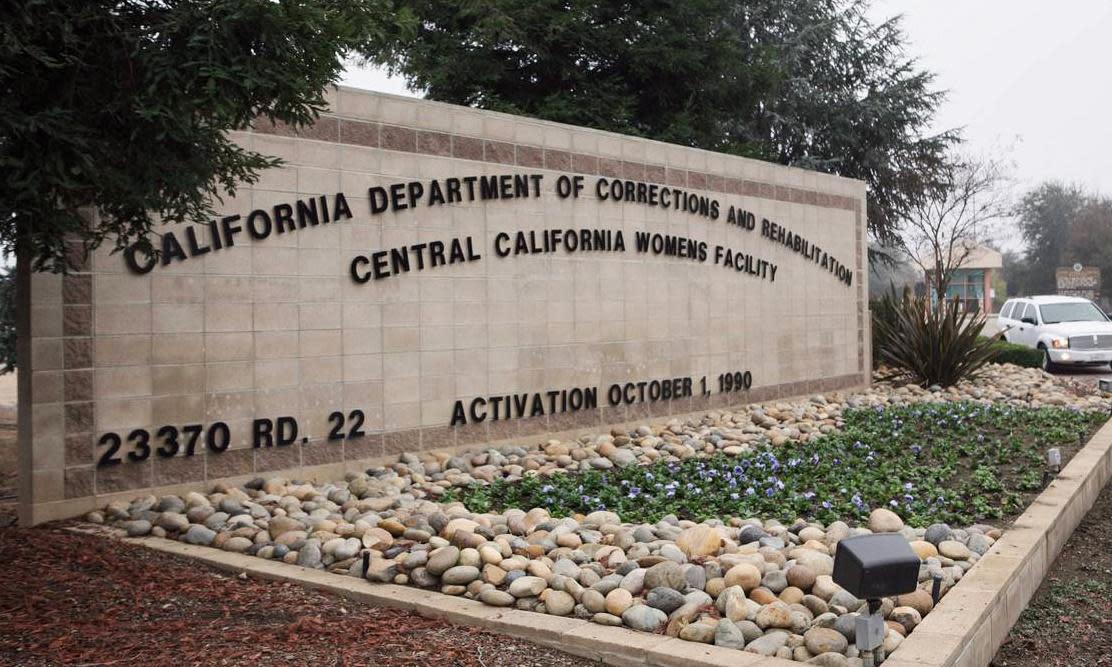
pixel 872 567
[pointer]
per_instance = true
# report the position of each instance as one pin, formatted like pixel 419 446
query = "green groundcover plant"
pixel 951 462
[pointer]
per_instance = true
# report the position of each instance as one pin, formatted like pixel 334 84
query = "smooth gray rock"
pixel 644 618
pixel 728 635
pixel 309 554
pixel 198 534
pixel 937 533
pixel 769 644
pixel 137 528
pixel 665 599
pixel 460 575
pixel 667 574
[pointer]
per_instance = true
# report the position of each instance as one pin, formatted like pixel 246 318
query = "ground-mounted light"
pixel 872 567
pixel 1053 464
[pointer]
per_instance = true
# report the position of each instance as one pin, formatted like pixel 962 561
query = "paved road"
pixel 1092 373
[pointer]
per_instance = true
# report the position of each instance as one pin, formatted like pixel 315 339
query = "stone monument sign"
pixel 424 276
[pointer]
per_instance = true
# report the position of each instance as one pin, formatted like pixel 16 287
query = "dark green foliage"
pixel 809 83
pixel 1046 215
pixel 952 462
pixel 1020 355
pixel 884 309
pixel 931 343
pixel 124 105
pixel 7 321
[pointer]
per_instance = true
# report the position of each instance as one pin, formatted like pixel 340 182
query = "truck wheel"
pixel 1047 365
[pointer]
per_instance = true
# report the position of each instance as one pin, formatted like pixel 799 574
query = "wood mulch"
pixel 69 599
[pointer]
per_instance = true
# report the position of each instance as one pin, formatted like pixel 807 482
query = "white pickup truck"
pixel 1069 330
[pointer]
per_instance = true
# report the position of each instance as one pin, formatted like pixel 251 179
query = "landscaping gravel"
pixel 760 585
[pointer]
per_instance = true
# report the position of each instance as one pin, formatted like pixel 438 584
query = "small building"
pixel 971 282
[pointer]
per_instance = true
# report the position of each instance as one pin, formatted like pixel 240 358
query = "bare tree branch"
pixel 941 232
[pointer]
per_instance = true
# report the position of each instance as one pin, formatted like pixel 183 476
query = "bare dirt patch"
pixel 1069 621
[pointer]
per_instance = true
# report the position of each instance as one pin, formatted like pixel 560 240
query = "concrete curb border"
pixel 964 630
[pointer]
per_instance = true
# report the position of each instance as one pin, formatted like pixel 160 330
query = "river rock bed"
pixel 745 583
pixel 762 587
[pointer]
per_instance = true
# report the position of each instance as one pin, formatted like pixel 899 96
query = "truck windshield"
pixel 1053 313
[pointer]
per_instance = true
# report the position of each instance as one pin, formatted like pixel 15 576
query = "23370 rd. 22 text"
pixel 169 441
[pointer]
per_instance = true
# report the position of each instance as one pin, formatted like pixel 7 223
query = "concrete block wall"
pixel 277 327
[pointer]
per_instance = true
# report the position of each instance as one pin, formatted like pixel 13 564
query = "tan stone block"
pixel 319 343
pixel 361 315
pixel 46 387
pixel 46 321
pixel 319 315
pixel 122 350
pixel 230 376
pixel 274 289
pixel 177 410
pixel 122 381
pixel 46 289
pixel 238 346
pixel 400 314
pixel 228 405
pixel 363 396
pixel 398 416
pixel 275 316
pixel 318 370
pixel 123 319
pixel 276 344
pixel 437 337
pixel 362 341
pixel 167 288
pixel 278 402
pixel 178 348
pixel 400 339
pixel 400 364
pixel 276 373
pixel 317 261
pixel 47 485
pixel 178 317
pixel 314 288
pixel 233 289
pixel 122 413
pixel 227 317
pixel 121 288
pixel 361 367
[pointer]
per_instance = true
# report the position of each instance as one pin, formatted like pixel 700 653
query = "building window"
pixel 968 287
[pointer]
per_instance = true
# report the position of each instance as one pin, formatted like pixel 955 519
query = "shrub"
pixel 7 321
pixel 930 343
pixel 1020 355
